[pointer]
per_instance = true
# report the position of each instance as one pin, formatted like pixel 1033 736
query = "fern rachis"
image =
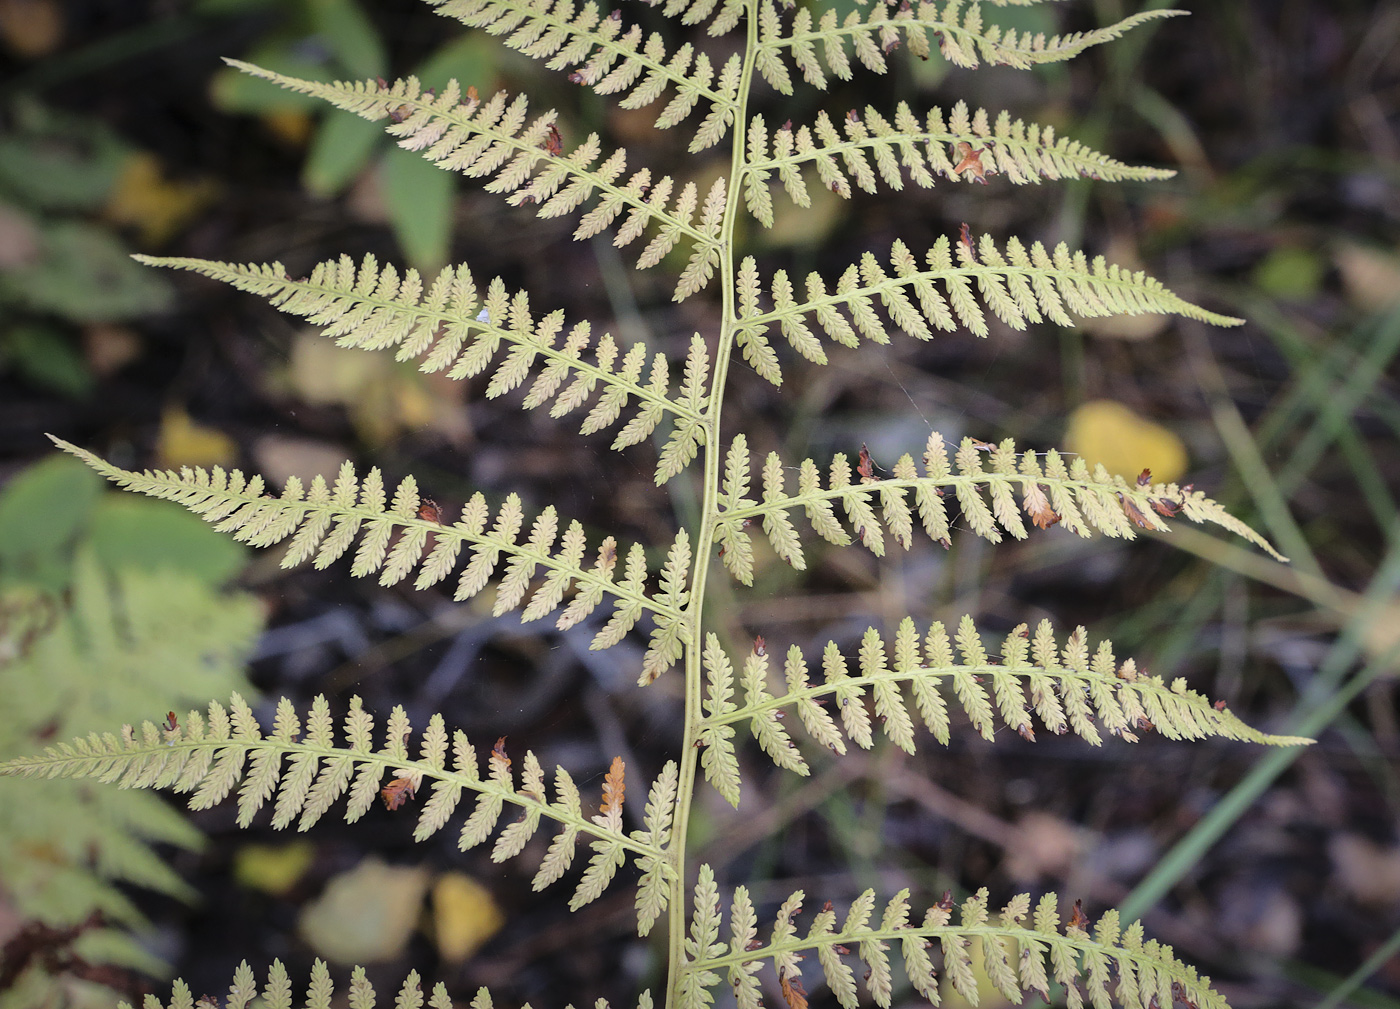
pixel 542 563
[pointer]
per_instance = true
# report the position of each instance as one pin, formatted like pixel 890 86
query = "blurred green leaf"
pixel 85 274
pixel 1290 272
pixel 139 533
pixel 340 149
pixel 350 35
pixel 419 198
pixel 470 60
pixel 58 162
pixel 43 512
pixel 47 358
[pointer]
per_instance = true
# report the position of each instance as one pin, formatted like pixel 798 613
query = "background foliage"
pixel 1282 119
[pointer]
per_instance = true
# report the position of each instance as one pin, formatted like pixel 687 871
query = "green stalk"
pixel 704 534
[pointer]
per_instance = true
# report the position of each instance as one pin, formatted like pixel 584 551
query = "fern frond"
pixel 213 755
pixel 1018 285
pixel 493 139
pixel 918 151
pixel 1112 965
pixel 1051 492
pixel 1067 685
pixel 324 521
pixel 617 59
pixel 321 993
pixel 453 329
pixel 818 48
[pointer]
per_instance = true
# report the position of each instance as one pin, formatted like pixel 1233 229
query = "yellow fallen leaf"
pixel 464 916
pixel 1107 432
pixel 272 868
pixel 158 207
pixel 365 915
pixel 291 126
pixel 182 442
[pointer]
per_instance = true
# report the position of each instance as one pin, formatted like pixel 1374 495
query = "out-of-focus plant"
pixel 111 611
pixel 326 40
pixel 61 266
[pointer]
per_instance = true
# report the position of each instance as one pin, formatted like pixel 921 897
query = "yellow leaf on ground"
pixel 365 915
pixel 272 868
pixel 464 916
pixel 291 126
pixel 156 206
pixel 182 442
pixel 1107 432
pixel 381 396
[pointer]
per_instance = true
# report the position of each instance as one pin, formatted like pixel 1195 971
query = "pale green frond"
pixel 321 993
pixel 716 736
pixel 1106 968
pixel 240 507
pixel 1017 285
pixel 561 850
pixel 905 147
pixel 766 723
pixel 984 479
pixel 237 754
pixel 669 612
pixel 658 874
pixel 452 327
pixel 703 943
pixel 611 57
pixel 1033 674
pixel 492 139
pixel 743 926
pixel 818 46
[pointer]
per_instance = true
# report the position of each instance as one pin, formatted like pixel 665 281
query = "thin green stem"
pixel 1372 964
pixel 709 511
pixel 1314 712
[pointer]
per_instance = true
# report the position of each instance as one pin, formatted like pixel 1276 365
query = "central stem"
pixel 704 537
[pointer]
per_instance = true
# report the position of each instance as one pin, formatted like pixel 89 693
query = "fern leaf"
pixel 1146 972
pixel 1019 286
pixel 717 758
pixel 672 620
pixel 610 57
pixel 321 992
pixel 765 721
pixel 966 146
pixel 228 750
pixel 492 138
pixel 819 48
pixel 702 945
pixel 240 507
pixel 561 850
pixel 1056 677
pixel 658 874
pixel 984 479
pixel 452 328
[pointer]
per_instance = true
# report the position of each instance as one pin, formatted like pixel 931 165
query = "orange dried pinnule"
pixel 396 793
